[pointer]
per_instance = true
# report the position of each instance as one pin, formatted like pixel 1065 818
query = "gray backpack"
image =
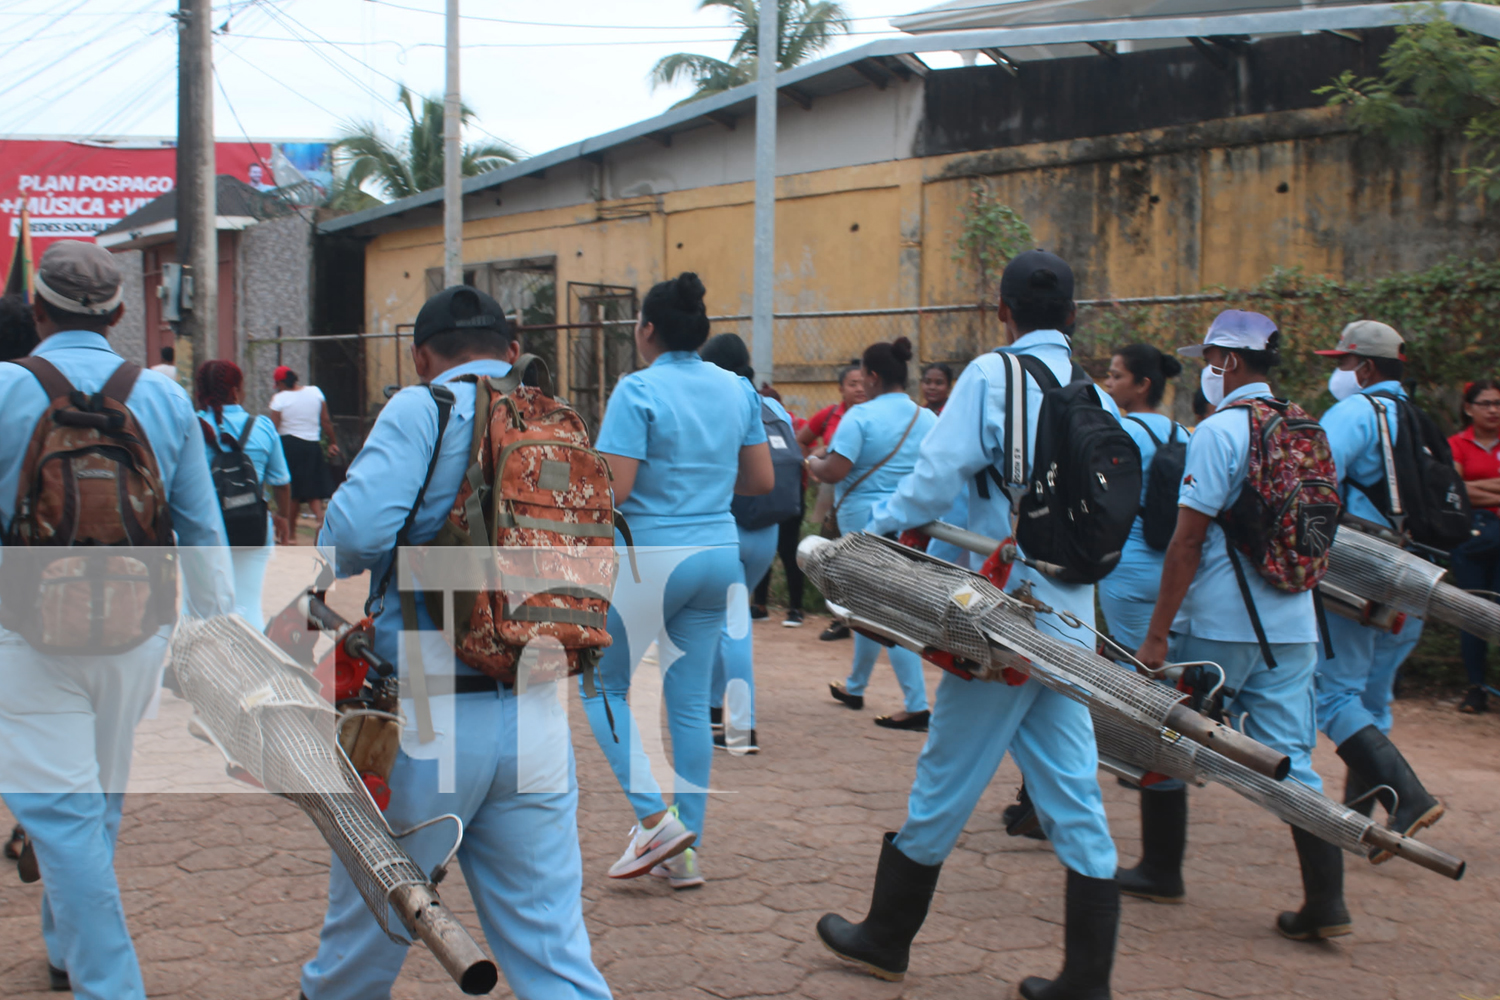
pixel 784 501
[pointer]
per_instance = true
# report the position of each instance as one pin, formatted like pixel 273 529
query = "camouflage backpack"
pixel 87 568
pixel 1285 517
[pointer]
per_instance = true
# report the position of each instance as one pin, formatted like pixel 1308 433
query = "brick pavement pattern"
pixel 225 890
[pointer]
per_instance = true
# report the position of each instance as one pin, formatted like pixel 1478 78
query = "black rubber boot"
pixel 1158 876
pixel 1355 787
pixel 1020 819
pixel 1093 918
pixel 1323 914
pixel 1370 753
pixel 881 944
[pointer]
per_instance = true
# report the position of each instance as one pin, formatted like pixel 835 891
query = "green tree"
pixel 408 167
pixel 992 234
pixel 1437 78
pixel 805 28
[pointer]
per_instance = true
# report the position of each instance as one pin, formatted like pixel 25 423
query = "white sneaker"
pixel 649 848
pixel 680 872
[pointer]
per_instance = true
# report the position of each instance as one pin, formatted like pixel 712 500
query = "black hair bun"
pixel 901 349
pixel 1170 366
pixel 688 291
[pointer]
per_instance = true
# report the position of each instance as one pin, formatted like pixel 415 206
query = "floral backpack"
pixel 1285 516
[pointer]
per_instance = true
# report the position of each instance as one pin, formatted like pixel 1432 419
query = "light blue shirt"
pixel 1218 458
pixel 1138 574
pixel 1354 439
pixel 166 416
pixel 684 420
pixel 969 436
pixel 263 447
pixel 868 433
pixel 368 510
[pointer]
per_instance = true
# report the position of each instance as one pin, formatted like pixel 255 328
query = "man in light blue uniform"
pixel 974 724
pixel 67 722
pixel 1202 613
pixel 512 774
pixel 1354 686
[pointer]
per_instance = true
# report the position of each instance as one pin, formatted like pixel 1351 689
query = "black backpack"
pixel 1075 510
pixel 1163 481
pixel 1422 494
pixel 241 500
pixel 784 502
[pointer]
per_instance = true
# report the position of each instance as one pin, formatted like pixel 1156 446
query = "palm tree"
pixel 806 27
pixel 411 166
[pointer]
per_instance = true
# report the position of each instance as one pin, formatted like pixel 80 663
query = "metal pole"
pixel 453 204
pixel 197 235
pixel 763 301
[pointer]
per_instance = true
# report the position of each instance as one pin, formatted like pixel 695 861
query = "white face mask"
pixel 1212 382
pixel 1343 383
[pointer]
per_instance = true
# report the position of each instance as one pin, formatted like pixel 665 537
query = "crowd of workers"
pixel 683 436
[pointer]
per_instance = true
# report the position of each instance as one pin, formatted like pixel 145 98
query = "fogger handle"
pixel 1237 747
pixel 434 924
pixel 1416 851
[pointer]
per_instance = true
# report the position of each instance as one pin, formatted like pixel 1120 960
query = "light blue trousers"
pixel 250 582
pixel 1127 616
pixel 1052 740
pixel 906 664
pixel 520 856
pixel 682 597
pixel 66 729
pixel 736 658
pixel 1279 702
pixel 1354 688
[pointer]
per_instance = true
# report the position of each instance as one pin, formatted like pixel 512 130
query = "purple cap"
pixel 1235 329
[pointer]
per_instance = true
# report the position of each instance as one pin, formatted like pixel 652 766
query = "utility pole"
pixel 453 193
pixel 763 302
pixel 197 234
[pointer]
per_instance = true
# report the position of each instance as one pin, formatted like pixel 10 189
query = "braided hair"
pixel 216 383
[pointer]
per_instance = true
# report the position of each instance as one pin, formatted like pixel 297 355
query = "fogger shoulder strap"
pixel 1388 455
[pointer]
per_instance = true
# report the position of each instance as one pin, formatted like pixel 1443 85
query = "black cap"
pixel 1026 278
pixel 458 308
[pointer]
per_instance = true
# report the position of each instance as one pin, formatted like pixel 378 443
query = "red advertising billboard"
pixel 75 189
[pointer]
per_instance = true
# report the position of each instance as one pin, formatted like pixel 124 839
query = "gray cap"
pixel 1369 339
pixel 79 278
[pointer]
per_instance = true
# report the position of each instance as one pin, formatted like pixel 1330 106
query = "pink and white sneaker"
pixel 649 848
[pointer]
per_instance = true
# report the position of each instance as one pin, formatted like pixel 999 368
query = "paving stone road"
pixel 224 890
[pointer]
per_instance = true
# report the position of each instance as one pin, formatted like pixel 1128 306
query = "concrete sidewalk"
pixel 225 889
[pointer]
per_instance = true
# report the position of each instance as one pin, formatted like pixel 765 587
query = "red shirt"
pixel 1474 460
pixel 826 421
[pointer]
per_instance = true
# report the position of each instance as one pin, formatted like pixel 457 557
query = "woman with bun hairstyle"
pixel 734 666
pixel 681 437
pixel 875 446
pixel 1137 379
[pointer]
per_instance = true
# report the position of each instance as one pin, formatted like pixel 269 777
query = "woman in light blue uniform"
pixel 734 666
pixel 220 389
pixel 681 436
pixel 877 443
pixel 1137 378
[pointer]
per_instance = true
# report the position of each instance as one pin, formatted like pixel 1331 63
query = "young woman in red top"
pixel 822 425
pixel 1476 563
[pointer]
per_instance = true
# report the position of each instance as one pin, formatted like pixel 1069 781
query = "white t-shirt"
pixel 170 371
pixel 301 412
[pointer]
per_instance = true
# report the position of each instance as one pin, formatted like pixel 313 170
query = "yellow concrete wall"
pixel 1164 212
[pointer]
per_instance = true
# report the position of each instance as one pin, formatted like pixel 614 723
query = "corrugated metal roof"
pixel 876 62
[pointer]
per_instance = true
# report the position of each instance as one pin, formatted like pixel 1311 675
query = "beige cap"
pixel 79 278
pixel 1368 339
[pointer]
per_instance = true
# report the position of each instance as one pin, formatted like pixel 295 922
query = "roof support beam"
pixel 797 97
pixel 1357 37
pixel 663 139
pixel 872 71
pixel 722 118
pixel 1111 49
pixel 1002 60
pixel 912 65
pixel 1210 53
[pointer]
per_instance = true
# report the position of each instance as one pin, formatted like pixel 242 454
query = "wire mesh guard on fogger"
pixel 264 713
pixel 964 623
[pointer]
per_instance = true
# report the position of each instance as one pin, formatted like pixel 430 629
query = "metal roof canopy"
pixel 879 61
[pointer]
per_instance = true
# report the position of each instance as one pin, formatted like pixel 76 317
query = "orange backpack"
pixel 539 494
pixel 88 568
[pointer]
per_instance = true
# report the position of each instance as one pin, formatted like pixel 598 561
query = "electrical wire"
pixel 604 27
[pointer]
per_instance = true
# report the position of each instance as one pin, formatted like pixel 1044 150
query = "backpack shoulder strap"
pixel 1387 454
pixel 120 384
pixel 1147 428
pixel 54 383
pixel 527 364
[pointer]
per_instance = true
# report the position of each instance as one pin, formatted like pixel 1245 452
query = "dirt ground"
pixel 224 890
